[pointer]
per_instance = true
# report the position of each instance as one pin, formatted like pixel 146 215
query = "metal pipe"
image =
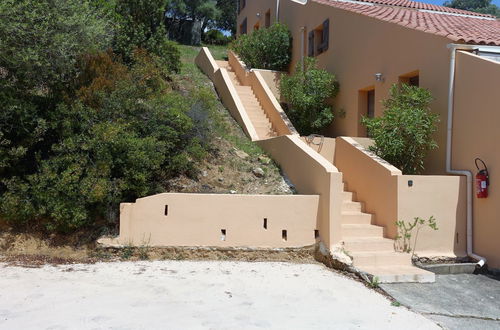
pixel 277 11
pixel 302 45
pixel 451 92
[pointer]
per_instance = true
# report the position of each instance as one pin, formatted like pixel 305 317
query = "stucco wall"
pixel 390 196
pixel 476 134
pixel 325 146
pixel 311 174
pixel 272 79
pixel 198 220
pixel 359 47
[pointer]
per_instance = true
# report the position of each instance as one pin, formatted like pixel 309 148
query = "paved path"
pixel 193 295
pixel 463 301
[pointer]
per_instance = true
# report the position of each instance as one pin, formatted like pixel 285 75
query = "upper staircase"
pixel 252 105
pixel 370 251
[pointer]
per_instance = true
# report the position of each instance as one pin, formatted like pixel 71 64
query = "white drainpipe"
pixel 451 91
pixel 277 11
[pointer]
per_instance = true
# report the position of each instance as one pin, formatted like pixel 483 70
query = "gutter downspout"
pixel 277 11
pixel 302 45
pixel 451 93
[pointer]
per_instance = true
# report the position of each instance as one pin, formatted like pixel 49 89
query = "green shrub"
pixel 122 136
pixel 141 24
pixel 42 39
pixel 403 134
pixel 269 48
pixel 307 91
pixel 216 37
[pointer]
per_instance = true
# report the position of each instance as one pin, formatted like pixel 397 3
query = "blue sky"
pixel 440 2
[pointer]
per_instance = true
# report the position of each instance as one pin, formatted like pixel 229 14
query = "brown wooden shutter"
pixel 326 35
pixel 311 44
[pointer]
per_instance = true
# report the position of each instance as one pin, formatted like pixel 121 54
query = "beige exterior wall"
pixel 359 47
pixel 198 220
pixel 476 134
pixel 311 174
pixel 388 195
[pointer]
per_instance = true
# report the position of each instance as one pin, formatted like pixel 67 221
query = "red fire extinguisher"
pixel 482 180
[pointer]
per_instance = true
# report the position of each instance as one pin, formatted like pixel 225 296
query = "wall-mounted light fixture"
pixel 258 15
pixel 379 77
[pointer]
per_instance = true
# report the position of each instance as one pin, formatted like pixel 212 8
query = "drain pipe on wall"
pixel 277 11
pixel 481 261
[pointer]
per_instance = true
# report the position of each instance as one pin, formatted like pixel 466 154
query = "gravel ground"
pixel 193 295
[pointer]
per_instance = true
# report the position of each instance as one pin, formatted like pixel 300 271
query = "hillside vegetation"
pixel 98 108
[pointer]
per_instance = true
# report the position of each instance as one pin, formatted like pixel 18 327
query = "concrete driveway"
pixel 193 295
pixel 462 301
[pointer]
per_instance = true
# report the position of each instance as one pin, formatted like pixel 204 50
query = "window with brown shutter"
pixel 311 44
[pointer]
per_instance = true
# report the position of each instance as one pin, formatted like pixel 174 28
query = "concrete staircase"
pixel 258 117
pixel 371 252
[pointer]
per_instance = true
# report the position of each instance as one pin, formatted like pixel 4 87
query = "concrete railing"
pixel 311 174
pixel 232 101
pixel 253 78
pixel 205 61
pixel 215 220
pixel 272 108
pixel 392 196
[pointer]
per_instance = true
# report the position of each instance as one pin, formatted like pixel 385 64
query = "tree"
pixel 142 25
pixel 403 134
pixel 228 14
pixel 41 40
pixel 479 6
pixel 203 11
pixel 307 91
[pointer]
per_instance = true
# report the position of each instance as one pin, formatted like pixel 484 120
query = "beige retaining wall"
pixel 198 220
pixel 311 174
pixel 391 196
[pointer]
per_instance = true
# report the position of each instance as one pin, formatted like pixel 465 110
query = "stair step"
pixel 362 230
pixel 348 196
pixel 356 217
pixel 352 206
pixel 400 274
pixel 380 259
pixel 358 244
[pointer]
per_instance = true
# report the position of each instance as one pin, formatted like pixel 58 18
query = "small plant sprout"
pixel 374 282
pixel 405 232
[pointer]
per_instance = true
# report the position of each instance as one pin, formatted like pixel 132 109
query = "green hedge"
pixel 269 48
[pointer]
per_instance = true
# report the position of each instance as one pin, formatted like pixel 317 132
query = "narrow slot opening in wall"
pixel 166 209
pixel 284 235
pixel 265 223
pixel 222 234
pixel 316 234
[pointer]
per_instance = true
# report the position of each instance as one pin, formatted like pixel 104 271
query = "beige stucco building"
pixel 370 45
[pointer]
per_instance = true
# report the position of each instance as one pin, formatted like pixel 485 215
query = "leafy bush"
pixel 307 91
pixel 122 138
pixel 216 37
pixel 403 134
pixel 41 41
pixel 269 48
pixel 141 24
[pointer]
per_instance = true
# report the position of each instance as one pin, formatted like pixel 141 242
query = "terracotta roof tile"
pixel 473 28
